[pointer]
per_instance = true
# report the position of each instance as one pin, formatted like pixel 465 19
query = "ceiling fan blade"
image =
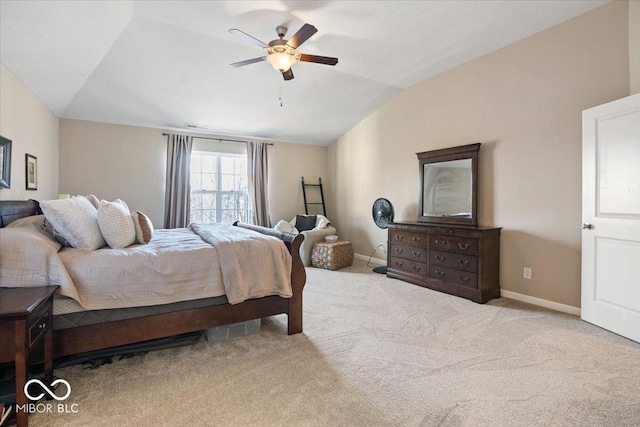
pixel 302 35
pixel 247 62
pixel 249 38
pixel 326 60
pixel 288 75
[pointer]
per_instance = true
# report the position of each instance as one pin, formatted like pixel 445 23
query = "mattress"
pixel 67 313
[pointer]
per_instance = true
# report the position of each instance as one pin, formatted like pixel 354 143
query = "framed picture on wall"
pixel 5 162
pixel 32 172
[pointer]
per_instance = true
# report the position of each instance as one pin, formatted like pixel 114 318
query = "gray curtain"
pixel 258 172
pixel 178 188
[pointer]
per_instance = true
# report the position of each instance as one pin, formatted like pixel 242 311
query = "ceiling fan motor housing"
pixel 281 30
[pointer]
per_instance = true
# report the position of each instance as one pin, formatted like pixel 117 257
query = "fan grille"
pixel 382 212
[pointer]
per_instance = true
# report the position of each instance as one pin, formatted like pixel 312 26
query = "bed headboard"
pixel 10 210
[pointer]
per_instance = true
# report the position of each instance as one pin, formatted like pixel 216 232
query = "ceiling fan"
pixel 282 53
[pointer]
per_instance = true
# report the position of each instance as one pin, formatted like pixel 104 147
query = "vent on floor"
pixel 196 126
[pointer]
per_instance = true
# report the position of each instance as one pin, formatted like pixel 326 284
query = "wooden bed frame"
pixel 112 334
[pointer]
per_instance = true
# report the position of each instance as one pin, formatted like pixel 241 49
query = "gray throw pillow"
pixel 305 222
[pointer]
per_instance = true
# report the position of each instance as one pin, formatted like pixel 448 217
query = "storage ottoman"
pixel 332 256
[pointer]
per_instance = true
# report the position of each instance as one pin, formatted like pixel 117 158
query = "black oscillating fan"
pixel 383 213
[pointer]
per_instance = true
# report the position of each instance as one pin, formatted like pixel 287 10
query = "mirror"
pixel 448 182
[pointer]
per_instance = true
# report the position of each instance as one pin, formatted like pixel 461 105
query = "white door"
pixel 611 216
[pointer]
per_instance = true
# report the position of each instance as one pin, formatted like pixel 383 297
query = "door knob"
pixel 586 226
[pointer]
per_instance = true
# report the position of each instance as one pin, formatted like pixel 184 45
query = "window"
pixel 219 188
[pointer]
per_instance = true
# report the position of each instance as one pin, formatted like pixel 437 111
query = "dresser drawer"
pixel 458 277
pixel 408 266
pixel 454 244
pixel 408 252
pixel 453 260
pixel 408 238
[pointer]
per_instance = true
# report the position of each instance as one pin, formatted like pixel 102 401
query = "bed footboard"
pixel 298 274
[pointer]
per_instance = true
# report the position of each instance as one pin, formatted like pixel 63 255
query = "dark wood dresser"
pixel 461 260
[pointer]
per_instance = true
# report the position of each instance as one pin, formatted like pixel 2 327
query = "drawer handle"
pixel 398 264
pixel 463 262
pixel 416 268
pixel 416 254
pixel 399 251
pixel 440 273
pixel 415 239
pixel 441 258
pixel 399 236
pixel 463 279
pixel 443 242
pixel 465 246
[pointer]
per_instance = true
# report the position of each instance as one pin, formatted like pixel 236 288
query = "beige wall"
pixel 33 128
pixel 287 164
pixel 114 161
pixel 128 162
pixel 524 104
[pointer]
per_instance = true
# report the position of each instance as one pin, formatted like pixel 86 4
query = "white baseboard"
pixel 569 309
pixel 376 261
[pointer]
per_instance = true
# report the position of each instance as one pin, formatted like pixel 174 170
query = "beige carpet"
pixel 375 352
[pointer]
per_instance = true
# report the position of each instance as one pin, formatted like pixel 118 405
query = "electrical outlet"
pixel 526 273
pixel 384 247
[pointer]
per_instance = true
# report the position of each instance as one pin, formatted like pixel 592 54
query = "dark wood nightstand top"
pixel 21 302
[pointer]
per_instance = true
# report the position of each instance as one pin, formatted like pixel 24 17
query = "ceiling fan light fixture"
pixel 281 61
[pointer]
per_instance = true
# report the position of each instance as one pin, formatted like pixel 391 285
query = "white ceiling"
pixel 166 63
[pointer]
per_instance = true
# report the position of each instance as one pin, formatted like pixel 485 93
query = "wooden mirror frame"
pixel 462 152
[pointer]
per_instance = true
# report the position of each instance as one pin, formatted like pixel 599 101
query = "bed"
pixel 137 324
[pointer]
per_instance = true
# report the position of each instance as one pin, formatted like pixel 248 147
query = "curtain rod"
pixel 220 139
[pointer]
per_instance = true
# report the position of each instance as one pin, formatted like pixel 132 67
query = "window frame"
pixel 218 193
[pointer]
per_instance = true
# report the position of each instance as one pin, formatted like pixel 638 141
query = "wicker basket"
pixel 332 256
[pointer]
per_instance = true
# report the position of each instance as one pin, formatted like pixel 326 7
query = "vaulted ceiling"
pixel 166 63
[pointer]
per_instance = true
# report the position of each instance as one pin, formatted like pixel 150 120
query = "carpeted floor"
pixel 375 352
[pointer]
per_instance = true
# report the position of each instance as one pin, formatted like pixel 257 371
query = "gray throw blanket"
pixel 253 265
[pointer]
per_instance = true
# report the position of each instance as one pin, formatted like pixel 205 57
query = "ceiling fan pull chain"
pixel 280 97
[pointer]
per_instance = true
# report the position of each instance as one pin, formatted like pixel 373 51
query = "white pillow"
pixel 76 220
pixel 94 200
pixel 321 222
pixel 144 227
pixel 285 227
pixel 116 224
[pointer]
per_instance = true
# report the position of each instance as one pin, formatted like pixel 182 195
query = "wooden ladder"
pixel 304 195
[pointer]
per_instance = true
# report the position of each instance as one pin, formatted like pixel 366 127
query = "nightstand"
pixel 30 310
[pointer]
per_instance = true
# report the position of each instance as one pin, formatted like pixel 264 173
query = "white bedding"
pixel 176 265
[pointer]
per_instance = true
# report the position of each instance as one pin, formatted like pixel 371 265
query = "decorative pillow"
pixel 94 201
pixel 305 222
pixel 285 227
pixel 116 224
pixel 76 220
pixel 144 227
